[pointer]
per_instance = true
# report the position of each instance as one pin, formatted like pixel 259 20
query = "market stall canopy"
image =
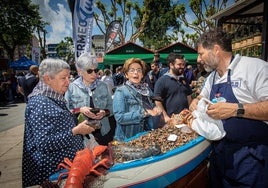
pixel 189 53
pixel 119 55
pixel 246 9
pixel 22 64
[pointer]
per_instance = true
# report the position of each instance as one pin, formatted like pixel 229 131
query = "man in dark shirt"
pixel 172 91
pixel 28 82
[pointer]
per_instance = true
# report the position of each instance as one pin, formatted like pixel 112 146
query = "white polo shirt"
pixel 249 78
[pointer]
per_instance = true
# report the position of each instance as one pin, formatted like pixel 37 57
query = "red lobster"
pixel 82 165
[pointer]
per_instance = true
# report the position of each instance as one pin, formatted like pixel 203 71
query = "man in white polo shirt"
pixel 238 87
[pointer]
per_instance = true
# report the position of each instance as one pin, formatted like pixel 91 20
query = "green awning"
pixel 119 59
pixel 190 58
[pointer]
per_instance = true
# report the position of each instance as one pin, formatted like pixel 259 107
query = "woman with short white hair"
pixel 86 93
pixel 50 134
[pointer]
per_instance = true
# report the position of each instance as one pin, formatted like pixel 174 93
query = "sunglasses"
pixel 89 71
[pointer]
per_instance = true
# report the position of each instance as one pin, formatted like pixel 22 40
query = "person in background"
pixel 28 82
pixel 118 76
pixel 107 78
pixel 189 74
pixel 200 70
pixel 172 91
pixel 157 59
pixel 88 92
pixel 100 74
pixel 153 75
pixel 133 105
pixel 51 133
pixel 201 75
pixel 6 88
pixel 238 88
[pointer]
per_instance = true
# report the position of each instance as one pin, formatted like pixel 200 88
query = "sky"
pixel 58 15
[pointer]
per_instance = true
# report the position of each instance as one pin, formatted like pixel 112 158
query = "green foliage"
pixel 19 19
pixel 65 49
pixel 161 19
pixel 158 23
pixel 200 11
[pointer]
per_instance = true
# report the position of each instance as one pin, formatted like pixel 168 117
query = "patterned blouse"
pixel 47 136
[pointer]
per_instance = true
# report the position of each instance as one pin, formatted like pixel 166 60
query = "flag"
pixel 82 20
pixel 111 33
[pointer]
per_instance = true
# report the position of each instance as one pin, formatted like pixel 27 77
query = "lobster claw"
pixel 84 163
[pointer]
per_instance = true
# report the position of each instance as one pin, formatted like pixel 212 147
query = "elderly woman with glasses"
pixel 50 134
pixel 87 93
pixel 133 105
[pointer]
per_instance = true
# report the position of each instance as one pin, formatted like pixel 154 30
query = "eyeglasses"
pixel 133 70
pixel 89 71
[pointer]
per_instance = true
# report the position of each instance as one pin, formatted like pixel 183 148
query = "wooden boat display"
pixel 161 170
pixel 158 170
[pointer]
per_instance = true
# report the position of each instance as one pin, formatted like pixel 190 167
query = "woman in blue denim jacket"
pixel 132 104
pixel 87 92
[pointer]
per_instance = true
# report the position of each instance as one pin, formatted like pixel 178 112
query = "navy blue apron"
pixel 240 159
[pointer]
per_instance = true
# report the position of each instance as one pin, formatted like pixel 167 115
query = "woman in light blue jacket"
pixel 87 92
pixel 133 106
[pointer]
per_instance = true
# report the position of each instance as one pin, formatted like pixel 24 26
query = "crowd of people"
pixel 60 112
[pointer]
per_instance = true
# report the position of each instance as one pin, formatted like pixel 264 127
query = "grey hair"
pixel 86 61
pixel 51 67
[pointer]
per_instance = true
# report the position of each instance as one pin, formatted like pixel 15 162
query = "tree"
pixel 120 10
pixel 201 11
pixel 161 19
pixel 19 19
pixel 41 32
pixel 65 49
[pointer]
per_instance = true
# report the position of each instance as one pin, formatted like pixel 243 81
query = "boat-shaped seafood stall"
pixel 161 170
pixel 156 158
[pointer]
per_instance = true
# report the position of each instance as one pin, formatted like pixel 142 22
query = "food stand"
pixel 158 169
pixel 161 170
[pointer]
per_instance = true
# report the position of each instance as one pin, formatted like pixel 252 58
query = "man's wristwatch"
pixel 240 110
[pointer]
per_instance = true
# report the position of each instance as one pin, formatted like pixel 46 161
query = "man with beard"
pixel 172 91
pixel 238 88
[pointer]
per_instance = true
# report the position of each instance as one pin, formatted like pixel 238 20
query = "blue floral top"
pixel 47 136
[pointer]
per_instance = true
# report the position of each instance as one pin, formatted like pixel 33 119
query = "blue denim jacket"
pixel 78 95
pixel 129 113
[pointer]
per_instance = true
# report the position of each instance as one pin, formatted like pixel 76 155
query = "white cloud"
pixel 59 19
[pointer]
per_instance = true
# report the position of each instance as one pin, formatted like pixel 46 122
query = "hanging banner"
pixel 111 33
pixel 82 14
pixel 36 54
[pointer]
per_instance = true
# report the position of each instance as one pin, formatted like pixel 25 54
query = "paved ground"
pixel 11 115
pixel 11 140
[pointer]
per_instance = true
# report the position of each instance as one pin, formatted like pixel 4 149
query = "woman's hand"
pixel 155 111
pixel 87 112
pixel 82 128
pixel 100 114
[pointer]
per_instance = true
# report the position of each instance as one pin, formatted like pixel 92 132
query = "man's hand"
pixel 222 110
